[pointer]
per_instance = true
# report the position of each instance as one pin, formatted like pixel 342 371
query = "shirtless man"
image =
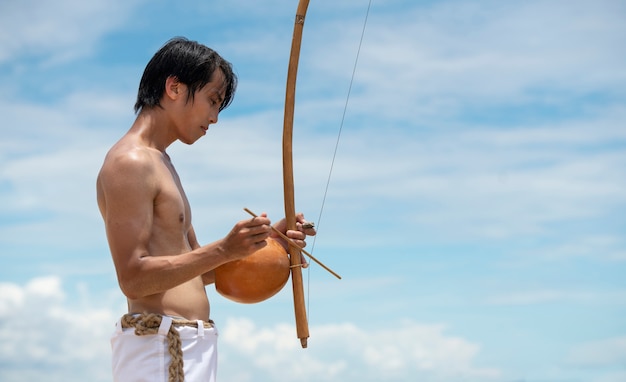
pixel 161 267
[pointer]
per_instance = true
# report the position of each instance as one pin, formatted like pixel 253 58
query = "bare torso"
pixel 160 266
pixel 167 233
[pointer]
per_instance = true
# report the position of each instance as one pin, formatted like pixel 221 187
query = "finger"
pixel 305 224
pixel 259 244
pixel 259 234
pixel 306 229
pixel 305 264
pixel 296 235
pixel 258 222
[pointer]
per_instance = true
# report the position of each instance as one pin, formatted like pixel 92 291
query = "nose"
pixel 213 117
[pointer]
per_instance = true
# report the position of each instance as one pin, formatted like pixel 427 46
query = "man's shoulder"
pixel 126 157
pixel 129 152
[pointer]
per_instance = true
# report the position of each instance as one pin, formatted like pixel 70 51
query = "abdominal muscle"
pixel 187 300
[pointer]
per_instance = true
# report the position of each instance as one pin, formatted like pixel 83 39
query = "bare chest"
pixel 171 206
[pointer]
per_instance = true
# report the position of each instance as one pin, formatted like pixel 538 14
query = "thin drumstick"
pixel 301 249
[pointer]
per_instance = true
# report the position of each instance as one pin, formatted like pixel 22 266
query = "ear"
pixel 174 89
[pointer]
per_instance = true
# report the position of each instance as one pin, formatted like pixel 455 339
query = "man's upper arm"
pixel 129 188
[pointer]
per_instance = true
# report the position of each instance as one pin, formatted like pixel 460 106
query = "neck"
pixel 154 128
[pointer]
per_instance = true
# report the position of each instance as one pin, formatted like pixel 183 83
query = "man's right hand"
pixel 247 237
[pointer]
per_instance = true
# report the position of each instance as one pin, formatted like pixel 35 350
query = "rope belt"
pixel 149 323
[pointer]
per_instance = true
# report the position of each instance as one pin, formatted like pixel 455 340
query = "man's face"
pixel 202 110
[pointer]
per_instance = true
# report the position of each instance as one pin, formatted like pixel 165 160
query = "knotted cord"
pixel 149 323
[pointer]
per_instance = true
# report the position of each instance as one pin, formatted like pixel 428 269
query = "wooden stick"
pixel 295 255
pixel 301 249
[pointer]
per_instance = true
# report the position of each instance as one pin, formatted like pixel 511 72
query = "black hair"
pixel 192 63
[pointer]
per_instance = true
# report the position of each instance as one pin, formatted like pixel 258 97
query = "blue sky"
pixel 475 210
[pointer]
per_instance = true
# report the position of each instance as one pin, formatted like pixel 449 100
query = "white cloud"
pixel 617 376
pixel 607 352
pixel 470 180
pixel 51 156
pixel 464 183
pixel 605 247
pixel 538 297
pixel 59 31
pixel 440 59
pixel 349 352
pixel 44 335
pixel 409 173
pixel 530 295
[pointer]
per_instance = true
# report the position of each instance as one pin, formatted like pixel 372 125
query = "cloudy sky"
pixel 476 207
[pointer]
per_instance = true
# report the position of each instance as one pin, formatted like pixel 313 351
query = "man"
pixel 160 266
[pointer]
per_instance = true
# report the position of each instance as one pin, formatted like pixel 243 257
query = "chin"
pixel 189 141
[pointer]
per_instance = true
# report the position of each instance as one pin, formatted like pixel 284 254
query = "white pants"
pixel 146 358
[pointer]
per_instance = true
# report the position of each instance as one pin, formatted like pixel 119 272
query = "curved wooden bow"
pixel 302 326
